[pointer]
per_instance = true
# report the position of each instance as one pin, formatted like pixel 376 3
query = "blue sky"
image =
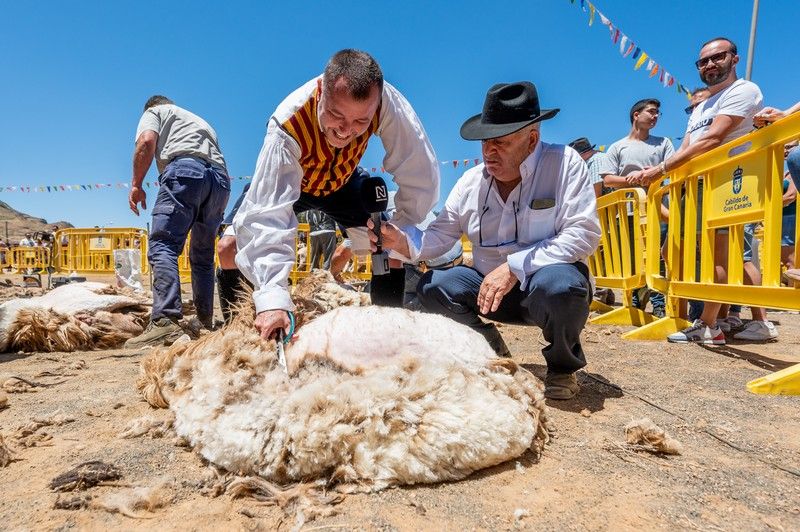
pixel 76 74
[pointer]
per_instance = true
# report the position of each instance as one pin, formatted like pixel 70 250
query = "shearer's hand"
pixel 392 238
pixel 136 197
pixel 494 287
pixel 269 322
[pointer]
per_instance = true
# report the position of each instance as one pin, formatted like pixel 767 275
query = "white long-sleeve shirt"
pixel 265 225
pixel 552 211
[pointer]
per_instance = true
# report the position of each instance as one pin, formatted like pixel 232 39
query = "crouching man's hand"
pixel 494 287
pixel 392 238
pixel 268 322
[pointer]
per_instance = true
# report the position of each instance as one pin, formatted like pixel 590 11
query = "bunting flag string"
pixel 455 163
pixel 629 50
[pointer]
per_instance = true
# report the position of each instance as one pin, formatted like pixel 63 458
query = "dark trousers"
pixel 556 299
pixel 322 248
pixel 191 197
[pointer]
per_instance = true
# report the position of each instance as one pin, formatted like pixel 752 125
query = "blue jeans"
pixel 556 299
pixel 793 163
pixel 191 197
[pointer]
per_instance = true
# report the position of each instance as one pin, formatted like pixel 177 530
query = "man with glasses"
pixel 530 214
pixel 725 116
pixel 622 168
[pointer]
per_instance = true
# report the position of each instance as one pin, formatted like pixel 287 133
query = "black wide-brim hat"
pixel 508 108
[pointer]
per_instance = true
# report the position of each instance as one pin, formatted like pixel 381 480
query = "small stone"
pixel 118 405
pixel 585 412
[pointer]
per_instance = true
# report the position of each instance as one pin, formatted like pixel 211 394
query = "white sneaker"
pixel 729 323
pixel 760 331
pixel 699 333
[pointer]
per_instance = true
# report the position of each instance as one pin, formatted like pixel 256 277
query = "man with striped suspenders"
pixel 315 140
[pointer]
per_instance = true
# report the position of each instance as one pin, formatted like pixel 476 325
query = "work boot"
pixel 162 331
pixel 495 339
pixel 560 386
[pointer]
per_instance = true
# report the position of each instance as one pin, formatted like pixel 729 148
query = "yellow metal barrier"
pixel 91 250
pixel 619 259
pixel 742 182
pixel 28 258
pixel 361 268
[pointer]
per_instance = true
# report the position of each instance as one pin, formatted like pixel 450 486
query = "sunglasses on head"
pixel 715 58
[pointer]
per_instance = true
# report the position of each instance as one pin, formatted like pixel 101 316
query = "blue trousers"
pixel 191 197
pixel 556 299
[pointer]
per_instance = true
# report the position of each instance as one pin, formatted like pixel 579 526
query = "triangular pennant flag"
pixel 661 77
pixel 476 162
pixel 48 189
pixel 62 187
pixel 671 81
pixel 455 164
pixel 383 170
pixel 591 13
pixel 636 53
pixel 640 61
pixel 583 5
pixel 616 36
pixel 654 71
pixel 603 19
pixel 466 163
pixel 373 169
pixel 148 184
pixel 603 147
pixel 631 46
pixel 623 44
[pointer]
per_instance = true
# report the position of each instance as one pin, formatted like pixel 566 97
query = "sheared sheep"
pixel 373 397
pixel 72 317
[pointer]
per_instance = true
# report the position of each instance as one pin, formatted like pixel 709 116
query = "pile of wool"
pixel 76 316
pixel 373 397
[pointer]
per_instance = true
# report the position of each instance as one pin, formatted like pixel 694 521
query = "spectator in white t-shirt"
pixel 726 115
pixel 27 242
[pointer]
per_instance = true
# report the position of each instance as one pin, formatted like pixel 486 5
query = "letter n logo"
pixel 380 192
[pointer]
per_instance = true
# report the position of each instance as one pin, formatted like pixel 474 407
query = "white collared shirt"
pixel 554 206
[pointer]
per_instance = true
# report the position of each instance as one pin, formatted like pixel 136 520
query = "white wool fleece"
pixel 427 411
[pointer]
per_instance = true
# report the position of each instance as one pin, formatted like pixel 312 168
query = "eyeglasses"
pixel 485 210
pixel 715 58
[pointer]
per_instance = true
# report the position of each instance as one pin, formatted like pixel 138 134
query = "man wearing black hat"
pixel 531 217
pixel 593 160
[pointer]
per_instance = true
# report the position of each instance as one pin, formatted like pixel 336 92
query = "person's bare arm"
pixel 615 181
pixel 770 114
pixel 717 131
pixel 791 191
pixel 142 159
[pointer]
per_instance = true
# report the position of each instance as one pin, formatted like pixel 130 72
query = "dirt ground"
pixel 740 467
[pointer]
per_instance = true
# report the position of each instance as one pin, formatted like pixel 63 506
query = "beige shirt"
pixel 180 133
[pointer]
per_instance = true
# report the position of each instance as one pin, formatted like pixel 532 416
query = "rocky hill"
pixel 14 224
